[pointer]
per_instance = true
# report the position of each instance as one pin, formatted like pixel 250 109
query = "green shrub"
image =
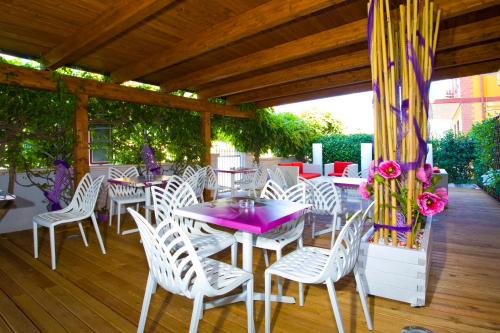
pixel 455 154
pixel 340 147
pixel 486 138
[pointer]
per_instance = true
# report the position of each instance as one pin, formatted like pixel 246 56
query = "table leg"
pixel 147 193
pixel 247 266
pixel 233 190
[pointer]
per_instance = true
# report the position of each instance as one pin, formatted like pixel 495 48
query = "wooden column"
pixel 206 125
pixel 81 163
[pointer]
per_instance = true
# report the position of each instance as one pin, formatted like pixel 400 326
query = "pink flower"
pixel 429 204
pixel 428 170
pixel 442 193
pixel 371 172
pixel 364 190
pixel 389 169
pixel 421 175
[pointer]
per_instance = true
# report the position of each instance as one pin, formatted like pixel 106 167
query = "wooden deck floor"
pixel 91 292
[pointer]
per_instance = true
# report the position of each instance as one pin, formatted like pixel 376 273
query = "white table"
pixel 344 182
pixel 233 173
pixel 141 182
pixel 265 216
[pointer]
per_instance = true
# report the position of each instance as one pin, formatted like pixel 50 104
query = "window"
pixel 100 144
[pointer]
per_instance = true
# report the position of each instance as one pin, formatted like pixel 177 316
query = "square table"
pixel 264 216
pixel 141 182
pixel 233 172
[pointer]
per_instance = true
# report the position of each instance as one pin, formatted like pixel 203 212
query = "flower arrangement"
pixel 430 202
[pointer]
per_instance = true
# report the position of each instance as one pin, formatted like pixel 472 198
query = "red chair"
pixel 338 168
pixel 306 170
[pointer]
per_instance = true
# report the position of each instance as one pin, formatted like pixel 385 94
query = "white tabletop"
pixel 341 181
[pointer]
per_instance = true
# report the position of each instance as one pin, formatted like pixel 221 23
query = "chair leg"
pixel 280 281
pixel 266 257
pixel 313 227
pixel 195 317
pixel 145 303
pixel 98 233
pixel 35 240
pixel 118 216
pixel 335 305
pixel 249 304
pixel 83 234
pixel 234 254
pixel 52 247
pixel 267 305
pixel 111 205
pixel 362 296
pixel 301 294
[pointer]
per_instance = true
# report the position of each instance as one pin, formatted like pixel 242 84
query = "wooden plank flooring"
pixel 92 292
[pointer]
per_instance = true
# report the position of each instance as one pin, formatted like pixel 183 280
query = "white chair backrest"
pixel 193 181
pixel 211 182
pixel 86 194
pixel 274 191
pixel 171 257
pixel 188 172
pixel 166 200
pixel 277 176
pixel 260 178
pixel 344 253
pixel 121 190
pixel 200 183
pixel 326 199
pixel 368 214
pixel 174 182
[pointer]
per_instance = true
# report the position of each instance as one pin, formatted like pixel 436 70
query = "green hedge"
pixel 455 154
pixel 486 137
pixel 342 147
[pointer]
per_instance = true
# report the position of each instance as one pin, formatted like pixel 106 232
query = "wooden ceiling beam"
pixel 441 74
pixel 44 80
pixel 325 93
pixel 117 19
pixel 256 20
pixel 451 58
pixel 451 38
pixel 348 34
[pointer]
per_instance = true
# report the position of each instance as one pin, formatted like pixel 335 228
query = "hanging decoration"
pixel 62 180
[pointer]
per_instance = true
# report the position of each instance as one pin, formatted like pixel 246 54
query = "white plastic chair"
pixel 285 234
pixel 316 265
pixel 80 208
pixel 200 183
pixel 175 266
pixel 277 176
pixel 211 183
pixel 188 172
pixel 123 195
pixel 257 182
pixel 206 240
pixel 325 201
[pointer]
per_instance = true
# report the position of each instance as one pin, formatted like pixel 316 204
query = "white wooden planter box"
pixel 396 273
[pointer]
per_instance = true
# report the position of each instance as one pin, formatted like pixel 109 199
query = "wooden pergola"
pixel 266 52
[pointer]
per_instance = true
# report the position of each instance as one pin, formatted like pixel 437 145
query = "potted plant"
pixel 393 269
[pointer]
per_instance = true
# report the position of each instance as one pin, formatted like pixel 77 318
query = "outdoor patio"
pixel 103 293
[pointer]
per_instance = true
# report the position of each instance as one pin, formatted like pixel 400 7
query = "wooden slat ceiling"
pixel 265 52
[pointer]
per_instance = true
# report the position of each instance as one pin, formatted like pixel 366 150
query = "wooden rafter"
pixel 261 18
pixel 31 78
pixel 441 74
pixel 351 33
pixel 117 19
pixel 452 57
pixel 448 39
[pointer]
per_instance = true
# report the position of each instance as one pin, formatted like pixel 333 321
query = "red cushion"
pixel 336 174
pixel 310 175
pixel 300 165
pixel 338 167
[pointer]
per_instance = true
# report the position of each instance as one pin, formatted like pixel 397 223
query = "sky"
pixel 354 110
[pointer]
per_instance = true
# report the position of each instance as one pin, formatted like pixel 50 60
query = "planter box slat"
pixel 396 273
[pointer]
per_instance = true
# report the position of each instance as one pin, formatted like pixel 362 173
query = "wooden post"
pixel 206 125
pixel 81 163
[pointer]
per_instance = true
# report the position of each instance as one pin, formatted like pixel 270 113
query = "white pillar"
pixel 366 155
pixel 317 151
pixel 430 158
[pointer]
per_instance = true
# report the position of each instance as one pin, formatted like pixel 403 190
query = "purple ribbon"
pixel 377 226
pixel 419 77
pixel 149 159
pixel 376 88
pixel 369 26
pixel 61 181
